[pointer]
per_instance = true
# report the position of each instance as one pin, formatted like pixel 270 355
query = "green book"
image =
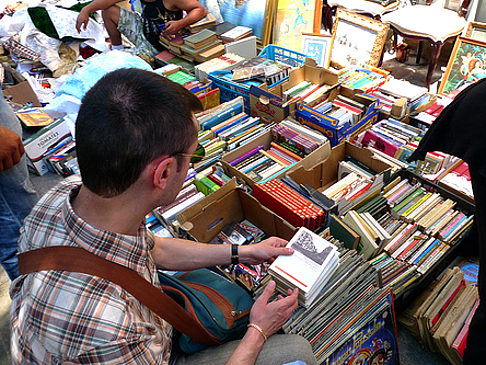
pixel 192 51
pixel 200 39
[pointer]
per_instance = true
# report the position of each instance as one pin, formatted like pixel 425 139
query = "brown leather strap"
pixel 76 259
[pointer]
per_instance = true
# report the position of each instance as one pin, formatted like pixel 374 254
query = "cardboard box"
pixel 325 173
pixel 39 143
pixel 208 217
pixel 22 93
pixel 269 103
pixel 313 158
pixel 328 126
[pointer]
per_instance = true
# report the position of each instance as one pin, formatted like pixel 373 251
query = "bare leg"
pixel 111 17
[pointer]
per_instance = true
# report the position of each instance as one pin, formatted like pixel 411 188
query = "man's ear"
pixel 163 171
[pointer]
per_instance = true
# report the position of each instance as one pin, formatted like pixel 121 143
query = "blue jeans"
pixel 17 197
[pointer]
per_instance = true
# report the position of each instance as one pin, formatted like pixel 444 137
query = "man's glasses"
pixel 197 156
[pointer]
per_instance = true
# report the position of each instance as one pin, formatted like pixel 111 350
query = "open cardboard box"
pixel 208 217
pixel 318 155
pixel 325 173
pixel 269 103
pixel 329 127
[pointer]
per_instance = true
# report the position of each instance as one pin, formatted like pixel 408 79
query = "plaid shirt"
pixel 63 317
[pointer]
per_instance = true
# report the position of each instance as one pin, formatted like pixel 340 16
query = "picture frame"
pixel 317 46
pixel 467 64
pixel 294 17
pixel 256 14
pixel 476 30
pixel 357 39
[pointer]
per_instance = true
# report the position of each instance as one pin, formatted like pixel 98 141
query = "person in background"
pixel 17 195
pixel 135 136
pixel 460 130
pixel 157 16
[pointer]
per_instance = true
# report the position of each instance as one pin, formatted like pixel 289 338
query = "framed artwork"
pixel 295 17
pixel 357 39
pixel 477 31
pixel 467 64
pixel 318 47
pixel 255 14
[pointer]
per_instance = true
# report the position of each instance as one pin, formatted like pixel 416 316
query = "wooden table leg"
pixel 434 57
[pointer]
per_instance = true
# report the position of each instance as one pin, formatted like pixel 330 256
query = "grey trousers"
pixel 278 350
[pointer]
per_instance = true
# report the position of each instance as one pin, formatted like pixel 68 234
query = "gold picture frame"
pixel 476 31
pixel 466 65
pixel 357 39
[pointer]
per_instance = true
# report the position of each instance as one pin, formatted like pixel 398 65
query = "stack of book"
pixel 226 127
pixel 208 21
pixel 350 304
pixel 440 317
pixel 388 136
pixel 225 62
pixel 174 43
pixel 367 78
pixel 296 137
pixel 355 182
pixel 342 109
pixel 393 90
pixel 434 161
pixel 235 34
pixel 414 227
pixel 202 46
pixel 243 233
pixel 197 185
pixel 294 208
pixel 309 268
pixel 373 237
pixel 221 28
pixel 262 69
pixel 261 165
pixel 459 179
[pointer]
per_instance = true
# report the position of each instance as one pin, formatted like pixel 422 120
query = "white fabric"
pixel 363 6
pixel 434 23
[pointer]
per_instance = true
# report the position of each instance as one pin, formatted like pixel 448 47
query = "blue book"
pixel 222 116
pixel 233 123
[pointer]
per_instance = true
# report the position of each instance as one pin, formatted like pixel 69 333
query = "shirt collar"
pixel 129 251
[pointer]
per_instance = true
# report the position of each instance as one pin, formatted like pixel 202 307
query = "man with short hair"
pixel 157 16
pixel 135 135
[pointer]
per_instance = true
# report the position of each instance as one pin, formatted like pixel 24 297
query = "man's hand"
pixel 82 20
pixel 266 251
pixel 173 27
pixel 11 148
pixel 270 317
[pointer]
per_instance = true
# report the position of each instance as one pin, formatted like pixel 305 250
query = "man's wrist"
pixel 254 337
pixel 244 253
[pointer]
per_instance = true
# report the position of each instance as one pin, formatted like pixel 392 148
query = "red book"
pixel 459 343
pixel 437 316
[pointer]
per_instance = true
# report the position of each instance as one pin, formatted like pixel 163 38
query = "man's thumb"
pixel 268 292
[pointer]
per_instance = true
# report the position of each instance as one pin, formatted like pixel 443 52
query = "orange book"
pixel 285 151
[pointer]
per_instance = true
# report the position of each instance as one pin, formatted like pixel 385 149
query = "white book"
pixel 170 215
pixel 304 130
pixel 309 267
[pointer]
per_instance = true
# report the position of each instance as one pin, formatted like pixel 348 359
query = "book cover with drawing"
pixel 308 268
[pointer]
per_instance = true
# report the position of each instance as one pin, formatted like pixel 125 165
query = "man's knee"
pixel 111 14
pixel 281 349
